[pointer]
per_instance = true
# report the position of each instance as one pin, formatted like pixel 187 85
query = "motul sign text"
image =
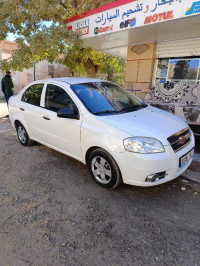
pixel 159 17
pixel 127 14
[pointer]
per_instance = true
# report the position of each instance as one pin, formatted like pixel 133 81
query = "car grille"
pixel 180 139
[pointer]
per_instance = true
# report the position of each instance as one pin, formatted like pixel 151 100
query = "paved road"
pixel 52 213
pixel 3 108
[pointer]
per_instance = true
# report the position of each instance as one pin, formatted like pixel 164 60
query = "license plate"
pixel 186 158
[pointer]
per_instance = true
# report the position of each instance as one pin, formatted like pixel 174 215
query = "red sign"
pixel 69 28
pixel 159 17
pixel 83 31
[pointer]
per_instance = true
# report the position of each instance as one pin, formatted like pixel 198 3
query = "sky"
pixel 11 37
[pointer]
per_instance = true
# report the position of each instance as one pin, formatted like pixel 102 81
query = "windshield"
pixel 106 98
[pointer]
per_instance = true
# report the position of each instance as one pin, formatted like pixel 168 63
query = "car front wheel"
pixel 104 169
pixel 23 135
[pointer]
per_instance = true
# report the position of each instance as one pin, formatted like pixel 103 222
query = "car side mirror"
pixel 68 113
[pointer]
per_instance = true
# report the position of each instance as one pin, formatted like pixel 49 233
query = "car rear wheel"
pixel 23 135
pixel 104 169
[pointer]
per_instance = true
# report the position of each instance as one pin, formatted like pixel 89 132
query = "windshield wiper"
pixel 106 112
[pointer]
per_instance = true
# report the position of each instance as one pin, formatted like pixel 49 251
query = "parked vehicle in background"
pixel 120 138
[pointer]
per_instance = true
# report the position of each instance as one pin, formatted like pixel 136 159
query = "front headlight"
pixel 143 145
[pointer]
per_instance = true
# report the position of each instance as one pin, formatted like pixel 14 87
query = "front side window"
pixel 106 97
pixel 56 98
pixel 180 70
pixel 33 94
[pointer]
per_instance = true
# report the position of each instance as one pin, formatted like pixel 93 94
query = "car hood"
pixel 146 122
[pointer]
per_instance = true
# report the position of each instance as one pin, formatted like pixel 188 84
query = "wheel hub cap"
pixel 101 170
pixel 22 134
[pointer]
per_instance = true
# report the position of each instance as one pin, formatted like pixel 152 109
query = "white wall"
pixel 22 78
pixel 1 74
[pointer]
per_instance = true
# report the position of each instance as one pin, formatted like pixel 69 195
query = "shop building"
pixel 160 39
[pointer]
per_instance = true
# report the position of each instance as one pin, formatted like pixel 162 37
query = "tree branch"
pixel 63 5
pixel 106 59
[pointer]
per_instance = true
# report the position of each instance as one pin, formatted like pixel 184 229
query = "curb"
pixel 185 182
pixel 193 172
pixel 191 175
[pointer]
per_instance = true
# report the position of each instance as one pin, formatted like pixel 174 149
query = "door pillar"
pixel 139 68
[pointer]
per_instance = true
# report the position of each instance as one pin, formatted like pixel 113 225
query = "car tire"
pixel 23 135
pixel 104 169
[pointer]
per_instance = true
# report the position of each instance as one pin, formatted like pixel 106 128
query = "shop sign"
pixel 69 27
pixel 134 14
pixel 159 17
pixel 194 9
pixel 98 30
pixel 127 23
pixel 83 27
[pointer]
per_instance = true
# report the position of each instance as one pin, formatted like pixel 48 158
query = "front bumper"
pixel 136 167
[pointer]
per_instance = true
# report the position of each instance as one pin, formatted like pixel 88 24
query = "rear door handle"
pixel 22 109
pixel 46 118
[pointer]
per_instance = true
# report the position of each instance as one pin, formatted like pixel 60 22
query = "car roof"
pixel 71 80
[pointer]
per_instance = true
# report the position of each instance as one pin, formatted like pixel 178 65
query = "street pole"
pixel 34 71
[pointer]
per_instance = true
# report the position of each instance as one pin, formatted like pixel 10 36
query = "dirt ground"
pixel 53 213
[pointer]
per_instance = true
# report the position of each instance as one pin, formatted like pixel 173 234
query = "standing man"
pixel 7 86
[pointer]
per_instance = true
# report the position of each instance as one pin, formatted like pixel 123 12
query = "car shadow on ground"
pixel 81 171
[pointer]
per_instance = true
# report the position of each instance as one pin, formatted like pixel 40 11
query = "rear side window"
pixel 33 94
pixel 56 98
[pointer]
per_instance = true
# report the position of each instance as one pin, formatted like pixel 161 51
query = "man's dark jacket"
pixel 7 85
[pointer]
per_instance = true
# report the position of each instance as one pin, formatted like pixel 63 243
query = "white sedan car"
pixel 120 138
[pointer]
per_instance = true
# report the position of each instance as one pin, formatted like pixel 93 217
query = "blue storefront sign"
pixel 194 9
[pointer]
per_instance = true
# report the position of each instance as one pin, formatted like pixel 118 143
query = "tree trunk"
pixel 110 76
pixel 91 68
pixel 75 4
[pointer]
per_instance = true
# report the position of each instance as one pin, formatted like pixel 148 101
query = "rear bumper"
pixel 136 167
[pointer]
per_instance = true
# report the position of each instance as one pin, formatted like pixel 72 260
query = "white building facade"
pixel 160 39
pixel 43 69
pixel 149 34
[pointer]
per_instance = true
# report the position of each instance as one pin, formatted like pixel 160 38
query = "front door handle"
pixel 46 118
pixel 22 109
